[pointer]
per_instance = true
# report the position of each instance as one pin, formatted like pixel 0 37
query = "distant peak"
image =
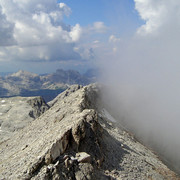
pixel 23 73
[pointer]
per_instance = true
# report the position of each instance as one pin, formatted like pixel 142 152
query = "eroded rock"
pixel 17 112
pixel 72 140
pixel 83 157
pixel 39 106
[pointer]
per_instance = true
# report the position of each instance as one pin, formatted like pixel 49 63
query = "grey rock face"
pixel 39 106
pixel 17 112
pixel 74 140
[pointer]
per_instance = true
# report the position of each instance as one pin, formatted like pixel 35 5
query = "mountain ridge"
pixel 75 140
pixel 23 83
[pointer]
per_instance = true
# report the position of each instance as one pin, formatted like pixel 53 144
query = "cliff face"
pixel 77 139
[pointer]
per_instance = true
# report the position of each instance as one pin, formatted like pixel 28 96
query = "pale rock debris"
pixel 73 141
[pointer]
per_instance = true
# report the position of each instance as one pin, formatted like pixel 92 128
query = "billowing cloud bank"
pixel 144 77
pixel 34 30
pixel 34 36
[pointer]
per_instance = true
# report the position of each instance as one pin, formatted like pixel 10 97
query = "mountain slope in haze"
pixel 78 139
pixel 48 86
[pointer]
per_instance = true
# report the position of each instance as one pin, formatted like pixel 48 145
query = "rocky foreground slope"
pixel 17 112
pixel 76 139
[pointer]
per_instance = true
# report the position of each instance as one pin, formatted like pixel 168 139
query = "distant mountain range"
pixel 23 83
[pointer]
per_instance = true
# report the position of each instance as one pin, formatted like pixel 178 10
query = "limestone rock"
pixel 74 140
pixel 17 112
pixel 39 106
pixel 83 157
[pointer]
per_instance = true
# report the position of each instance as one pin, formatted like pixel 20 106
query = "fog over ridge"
pixel 144 78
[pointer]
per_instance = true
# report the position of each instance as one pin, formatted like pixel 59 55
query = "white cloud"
pixel 96 27
pixel 99 27
pixel 6 31
pixel 65 8
pixel 89 39
pixel 36 25
pixel 114 39
pixel 156 14
pixel 145 77
pixel 35 31
pixel 75 33
pixel 95 42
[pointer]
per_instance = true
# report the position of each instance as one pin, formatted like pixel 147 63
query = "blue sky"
pixel 76 33
pixel 119 15
pixel 86 12
pixel 61 34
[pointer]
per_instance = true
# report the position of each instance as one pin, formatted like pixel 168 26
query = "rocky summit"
pixel 76 138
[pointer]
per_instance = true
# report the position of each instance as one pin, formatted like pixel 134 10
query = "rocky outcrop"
pixel 17 112
pixel 39 107
pixel 75 140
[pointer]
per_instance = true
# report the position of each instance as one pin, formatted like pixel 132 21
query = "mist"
pixel 142 79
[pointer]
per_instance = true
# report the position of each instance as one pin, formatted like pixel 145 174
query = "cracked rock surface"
pixel 73 140
pixel 17 112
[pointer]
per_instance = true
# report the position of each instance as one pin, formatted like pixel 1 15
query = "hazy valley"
pixel 48 86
